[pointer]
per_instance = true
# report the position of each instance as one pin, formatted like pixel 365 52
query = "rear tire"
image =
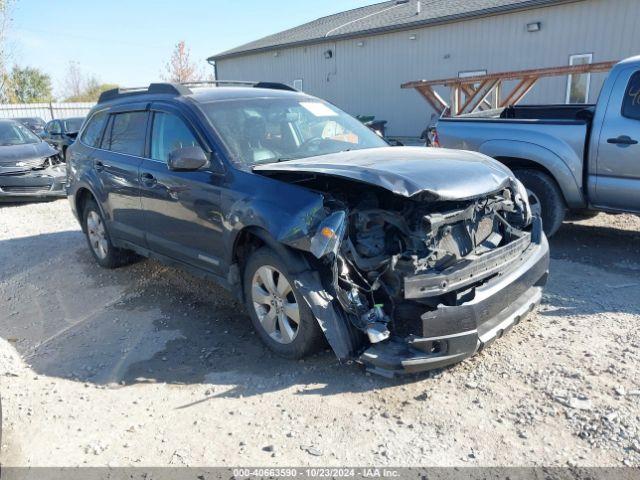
pixel 99 240
pixel 274 304
pixel 545 197
pixel 582 214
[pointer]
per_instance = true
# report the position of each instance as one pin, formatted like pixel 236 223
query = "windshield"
pixel 266 130
pixel 73 124
pixel 13 133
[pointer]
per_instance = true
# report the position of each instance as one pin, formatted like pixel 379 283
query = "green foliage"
pixel 27 85
pixel 91 91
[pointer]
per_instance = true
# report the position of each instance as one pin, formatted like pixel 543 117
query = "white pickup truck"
pixel 576 158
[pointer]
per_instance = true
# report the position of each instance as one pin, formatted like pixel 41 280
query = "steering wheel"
pixel 311 142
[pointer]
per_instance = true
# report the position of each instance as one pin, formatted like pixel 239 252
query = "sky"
pixel 129 42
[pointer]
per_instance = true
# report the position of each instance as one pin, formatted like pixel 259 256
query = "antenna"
pixel 418 7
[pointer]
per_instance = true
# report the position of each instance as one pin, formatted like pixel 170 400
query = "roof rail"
pixel 177 89
pixel 270 85
pixel 153 88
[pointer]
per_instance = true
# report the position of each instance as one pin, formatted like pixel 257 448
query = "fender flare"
pixel 86 186
pixel 545 158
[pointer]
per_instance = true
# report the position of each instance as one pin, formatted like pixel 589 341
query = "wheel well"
pixel 247 242
pixel 516 163
pixel 82 196
pixel 520 163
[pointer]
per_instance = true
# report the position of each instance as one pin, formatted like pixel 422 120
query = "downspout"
pixel 215 68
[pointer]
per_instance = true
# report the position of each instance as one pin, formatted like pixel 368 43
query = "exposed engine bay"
pixel 389 242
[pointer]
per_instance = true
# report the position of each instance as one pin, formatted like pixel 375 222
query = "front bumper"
pixel 452 334
pixel 34 184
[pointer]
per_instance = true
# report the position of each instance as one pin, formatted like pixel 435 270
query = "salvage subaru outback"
pixel 403 259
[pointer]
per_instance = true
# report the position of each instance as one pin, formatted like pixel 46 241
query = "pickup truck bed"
pixel 582 158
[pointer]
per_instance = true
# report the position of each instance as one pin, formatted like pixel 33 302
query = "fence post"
pixel 51 110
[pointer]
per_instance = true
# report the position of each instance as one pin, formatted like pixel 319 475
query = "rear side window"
pixel 93 132
pixel 631 102
pixel 169 133
pixel 127 133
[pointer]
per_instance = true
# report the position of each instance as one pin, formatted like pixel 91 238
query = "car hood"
pixel 19 158
pixel 442 173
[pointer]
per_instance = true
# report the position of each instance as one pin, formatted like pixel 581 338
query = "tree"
pixel 91 92
pixel 74 81
pixel 28 85
pixel 180 68
pixel 5 19
pixel 78 87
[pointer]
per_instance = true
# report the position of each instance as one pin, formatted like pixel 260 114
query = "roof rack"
pixel 177 89
pixel 270 85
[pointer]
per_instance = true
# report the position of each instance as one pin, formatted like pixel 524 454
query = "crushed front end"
pixel 29 179
pixel 426 282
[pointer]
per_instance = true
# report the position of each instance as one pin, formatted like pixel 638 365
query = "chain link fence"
pixel 46 111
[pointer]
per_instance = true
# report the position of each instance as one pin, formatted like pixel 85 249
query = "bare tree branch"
pixel 180 68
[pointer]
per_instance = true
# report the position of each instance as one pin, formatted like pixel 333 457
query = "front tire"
pixel 97 234
pixel 545 198
pixel 278 311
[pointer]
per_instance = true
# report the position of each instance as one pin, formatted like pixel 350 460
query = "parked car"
pixel 581 158
pixel 62 132
pixel 29 167
pixel 35 124
pixel 404 259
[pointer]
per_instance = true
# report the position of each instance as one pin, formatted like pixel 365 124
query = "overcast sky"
pixel 129 42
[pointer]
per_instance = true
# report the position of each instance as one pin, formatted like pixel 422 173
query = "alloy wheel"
pixel 97 235
pixel 275 304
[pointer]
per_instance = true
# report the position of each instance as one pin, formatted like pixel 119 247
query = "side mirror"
pixel 187 158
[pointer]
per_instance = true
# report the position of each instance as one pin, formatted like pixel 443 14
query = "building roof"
pixel 383 17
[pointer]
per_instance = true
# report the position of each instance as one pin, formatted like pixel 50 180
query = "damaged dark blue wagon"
pixel 403 259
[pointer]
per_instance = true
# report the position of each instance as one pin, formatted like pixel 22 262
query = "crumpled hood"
pixel 20 158
pixel 445 174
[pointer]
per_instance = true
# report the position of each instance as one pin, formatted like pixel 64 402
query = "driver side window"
pixel 169 133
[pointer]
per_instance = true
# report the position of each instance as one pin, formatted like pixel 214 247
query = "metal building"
pixel 358 59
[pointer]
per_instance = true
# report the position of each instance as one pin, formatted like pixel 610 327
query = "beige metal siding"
pixel 366 79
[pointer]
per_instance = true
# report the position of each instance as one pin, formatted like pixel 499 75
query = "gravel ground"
pixel 148 366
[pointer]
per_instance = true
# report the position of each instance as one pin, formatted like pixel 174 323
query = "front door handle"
pixel 148 179
pixel 622 140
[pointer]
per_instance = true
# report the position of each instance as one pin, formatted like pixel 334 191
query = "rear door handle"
pixel 622 140
pixel 148 179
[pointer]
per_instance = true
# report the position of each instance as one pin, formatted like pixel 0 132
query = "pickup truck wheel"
pixel 99 240
pixel 279 313
pixel 545 198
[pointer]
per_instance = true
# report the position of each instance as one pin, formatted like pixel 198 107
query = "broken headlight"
pixel 522 197
pixel 329 234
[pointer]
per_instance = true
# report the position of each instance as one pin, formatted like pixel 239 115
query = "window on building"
pixel 169 133
pixel 631 102
pixel 471 73
pixel 297 84
pixel 578 85
pixel 128 131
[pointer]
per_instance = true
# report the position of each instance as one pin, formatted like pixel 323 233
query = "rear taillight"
pixel 433 138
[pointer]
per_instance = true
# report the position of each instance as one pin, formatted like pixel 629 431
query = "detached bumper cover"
pixel 48 182
pixel 451 334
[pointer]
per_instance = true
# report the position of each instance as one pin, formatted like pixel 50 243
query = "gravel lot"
pixel 148 366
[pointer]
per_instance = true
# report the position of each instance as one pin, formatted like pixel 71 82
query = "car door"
pixel 182 210
pixel 618 160
pixel 117 165
pixel 53 134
